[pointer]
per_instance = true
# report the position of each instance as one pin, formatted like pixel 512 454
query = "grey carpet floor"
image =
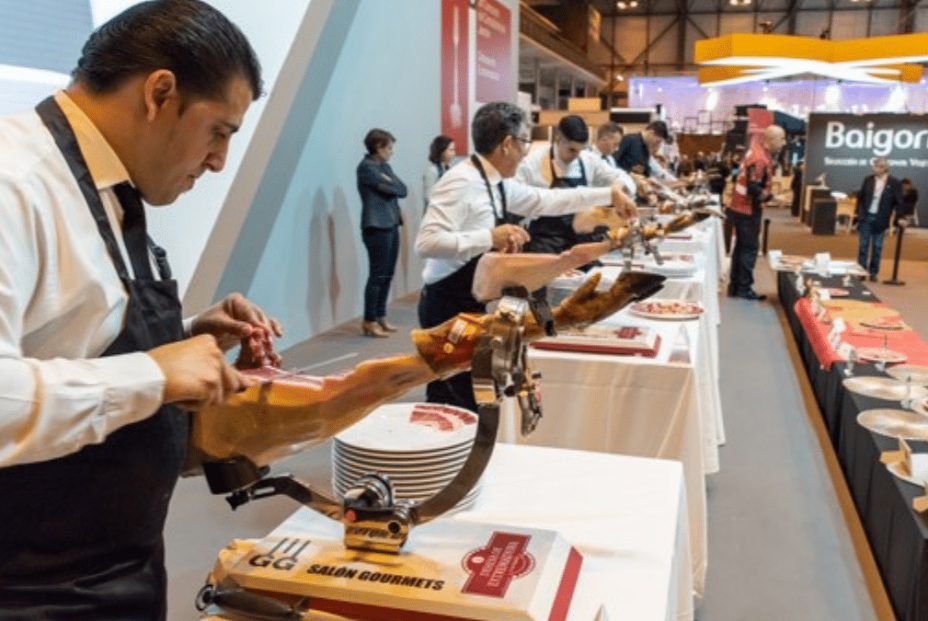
pixel 784 541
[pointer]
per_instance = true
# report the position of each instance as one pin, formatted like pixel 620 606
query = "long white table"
pixel 626 515
pixel 668 406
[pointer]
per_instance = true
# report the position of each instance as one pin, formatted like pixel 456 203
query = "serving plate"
pixel 669 310
pixel 893 322
pixel 885 388
pixel 879 354
pixel 397 428
pixel 895 423
pixel 897 468
pixel 916 373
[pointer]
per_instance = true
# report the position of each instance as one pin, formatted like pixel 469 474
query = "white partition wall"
pixel 281 222
pixel 287 234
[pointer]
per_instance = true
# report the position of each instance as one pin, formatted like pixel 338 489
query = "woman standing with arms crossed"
pixel 380 221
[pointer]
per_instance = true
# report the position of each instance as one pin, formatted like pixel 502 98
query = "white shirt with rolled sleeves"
pixel 458 223
pixel 61 301
pixel 535 170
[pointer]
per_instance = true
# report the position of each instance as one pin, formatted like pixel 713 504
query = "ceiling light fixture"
pixel 740 58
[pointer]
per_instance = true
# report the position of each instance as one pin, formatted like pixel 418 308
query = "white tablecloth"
pixel 667 407
pixel 624 514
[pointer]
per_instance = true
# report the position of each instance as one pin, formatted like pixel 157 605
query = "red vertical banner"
pixel 455 21
pixel 494 52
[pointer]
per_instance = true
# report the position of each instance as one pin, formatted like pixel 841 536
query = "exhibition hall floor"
pixel 784 540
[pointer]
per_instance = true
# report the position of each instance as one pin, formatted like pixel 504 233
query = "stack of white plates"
pixel 419 446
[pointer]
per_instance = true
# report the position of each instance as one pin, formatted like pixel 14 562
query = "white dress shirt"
pixel 458 223
pixel 879 184
pixel 659 172
pixel 535 170
pixel 61 301
pixel 606 157
pixel 430 177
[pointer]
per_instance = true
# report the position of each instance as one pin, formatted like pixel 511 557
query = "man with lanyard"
pixel 94 356
pixel 879 196
pixel 566 163
pixel 467 216
pixel 751 191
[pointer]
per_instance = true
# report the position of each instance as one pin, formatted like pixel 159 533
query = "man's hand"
pixel 196 373
pixel 236 320
pixel 642 185
pixel 509 238
pixel 624 205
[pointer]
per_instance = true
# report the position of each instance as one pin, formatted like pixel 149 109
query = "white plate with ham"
pixel 412 428
pixel 878 354
pixel 667 310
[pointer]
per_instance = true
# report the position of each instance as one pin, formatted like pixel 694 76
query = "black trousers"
pixel 437 304
pixel 744 254
pixel 383 246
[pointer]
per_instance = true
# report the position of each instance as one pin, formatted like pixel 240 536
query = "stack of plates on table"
pixel 419 446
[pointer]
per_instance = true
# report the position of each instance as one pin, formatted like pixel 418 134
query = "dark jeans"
pixel 437 304
pixel 383 246
pixel 871 239
pixel 744 254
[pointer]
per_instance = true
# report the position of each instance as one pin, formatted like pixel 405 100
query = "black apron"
pixel 555 234
pixel 81 536
pixel 444 299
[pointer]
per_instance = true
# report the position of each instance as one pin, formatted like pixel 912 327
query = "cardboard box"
pixel 451 571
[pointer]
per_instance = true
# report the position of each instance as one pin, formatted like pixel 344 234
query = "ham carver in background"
pixel 470 213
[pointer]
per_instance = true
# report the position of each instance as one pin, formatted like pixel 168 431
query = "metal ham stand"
pixel 372 518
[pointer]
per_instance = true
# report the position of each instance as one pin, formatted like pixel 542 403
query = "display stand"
pixel 900 231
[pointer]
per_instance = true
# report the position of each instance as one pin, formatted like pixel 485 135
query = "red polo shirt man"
pixel 751 191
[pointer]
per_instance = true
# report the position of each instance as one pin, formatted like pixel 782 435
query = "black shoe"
pixel 753 295
pixel 732 293
pixel 873 278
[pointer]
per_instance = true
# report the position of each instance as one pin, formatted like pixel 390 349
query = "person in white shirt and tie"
pixel 470 212
pixel 608 137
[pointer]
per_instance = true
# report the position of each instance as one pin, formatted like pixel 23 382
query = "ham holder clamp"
pixel 648 236
pixel 372 519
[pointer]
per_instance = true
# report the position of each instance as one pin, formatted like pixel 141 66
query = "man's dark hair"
pixel 377 138
pixel 493 122
pixel 608 129
pixel 196 42
pixel 573 128
pixel 660 129
pixel 438 146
